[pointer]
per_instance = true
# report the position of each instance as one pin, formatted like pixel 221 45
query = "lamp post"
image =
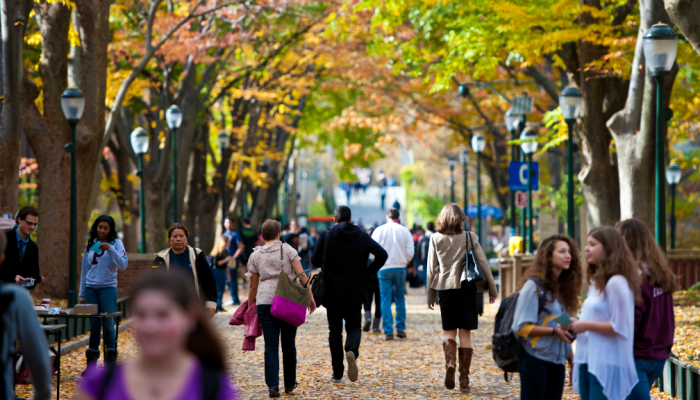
pixel 223 142
pixel 529 146
pixel 464 159
pixel 673 177
pixel 660 46
pixel 139 142
pixel 478 145
pixel 451 163
pixel 571 104
pixel 173 117
pixel 511 121
pixel 73 104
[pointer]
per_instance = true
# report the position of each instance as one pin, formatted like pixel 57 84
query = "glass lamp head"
pixel 73 104
pixel 451 162
pixel 173 117
pixel 571 103
pixel 464 157
pixel 673 174
pixel 464 90
pixel 139 141
pixel 223 140
pixel 478 143
pixel 510 120
pixel 660 47
pixel 529 137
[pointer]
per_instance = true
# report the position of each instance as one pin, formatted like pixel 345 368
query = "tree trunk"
pixel 634 127
pixel 14 15
pixel 686 14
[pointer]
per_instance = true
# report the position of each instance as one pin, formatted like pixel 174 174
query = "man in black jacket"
pixel 346 274
pixel 22 254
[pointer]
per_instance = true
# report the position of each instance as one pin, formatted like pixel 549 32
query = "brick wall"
pixel 139 265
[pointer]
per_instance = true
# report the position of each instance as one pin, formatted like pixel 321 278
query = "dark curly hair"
pixel 111 236
pixel 567 287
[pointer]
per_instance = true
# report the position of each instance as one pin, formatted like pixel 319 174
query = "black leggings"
pixel 373 292
pixel 540 380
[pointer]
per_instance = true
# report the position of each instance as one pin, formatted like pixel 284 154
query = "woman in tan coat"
pixel 447 259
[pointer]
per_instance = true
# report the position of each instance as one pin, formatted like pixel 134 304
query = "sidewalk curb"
pixel 75 345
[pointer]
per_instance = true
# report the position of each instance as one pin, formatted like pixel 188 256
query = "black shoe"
pixel 365 327
pixel 336 380
pixel 389 337
pixel 289 391
pixel 274 392
pixel 220 309
pixel 401 334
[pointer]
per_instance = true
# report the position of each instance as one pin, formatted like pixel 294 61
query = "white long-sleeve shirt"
pixel 396 239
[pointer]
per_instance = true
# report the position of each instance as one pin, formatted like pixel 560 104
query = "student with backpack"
pixel 181 355
pixel 450 248
pixel 555 276
pixel 654 321
pixel 604 362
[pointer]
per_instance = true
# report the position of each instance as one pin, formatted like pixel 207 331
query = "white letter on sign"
pixel 523 174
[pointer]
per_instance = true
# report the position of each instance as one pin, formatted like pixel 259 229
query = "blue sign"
pixel 517 175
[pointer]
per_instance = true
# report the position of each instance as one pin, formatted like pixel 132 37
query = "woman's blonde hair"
pixel 450 220
pixel 220 246
pixel 616 259
pixel 645 250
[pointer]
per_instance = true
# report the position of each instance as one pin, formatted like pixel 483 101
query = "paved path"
pixel 367 206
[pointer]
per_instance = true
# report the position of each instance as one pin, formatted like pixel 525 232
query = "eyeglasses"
pixel 35 225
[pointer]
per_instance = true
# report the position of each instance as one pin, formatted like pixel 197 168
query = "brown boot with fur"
pixel 450 348
pixel 465 362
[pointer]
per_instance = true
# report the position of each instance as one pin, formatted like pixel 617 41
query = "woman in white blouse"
pixel 604 361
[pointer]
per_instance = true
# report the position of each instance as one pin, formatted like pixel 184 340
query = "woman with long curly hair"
pixel 654 321
pixel 556 277
pixel 603 363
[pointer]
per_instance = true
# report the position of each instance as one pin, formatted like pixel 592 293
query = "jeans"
pixel 392 284
pixel 220 278
pixel 374 293
pixel 540 380
pixel 588 385
pixel 273 328
pixel 233 284
pixel 648 371
pixel 352 315
pixel 106 300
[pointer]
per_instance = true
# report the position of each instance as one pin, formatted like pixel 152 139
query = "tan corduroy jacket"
pixel 447 259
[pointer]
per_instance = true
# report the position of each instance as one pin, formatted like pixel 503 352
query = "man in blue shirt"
pixel 235 249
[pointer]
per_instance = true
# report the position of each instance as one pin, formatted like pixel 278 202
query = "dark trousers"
pixel 273 328
pixel 540 380
pixel 352 315
pixel 233 284
pixel 374 293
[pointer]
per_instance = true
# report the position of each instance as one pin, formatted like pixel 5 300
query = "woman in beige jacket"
pixel 447 259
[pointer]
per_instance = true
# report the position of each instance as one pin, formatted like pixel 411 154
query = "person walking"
pixel 396 239
pixel 347 250
pixel 604 362
pixel 654 320
pixel 447 263
pixel 22 254
pixel 250 239
pixel 264 270
pixel 422 250
pixel 235 249
pixel 18 321
pixel 220 262
pixel 555 275
pixel 180 357
pixel 104 256
pixel 372 294
pixel 192 262
pixel 313 239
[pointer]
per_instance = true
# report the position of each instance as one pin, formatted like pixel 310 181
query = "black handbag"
pixel 318 283
pixel 473 273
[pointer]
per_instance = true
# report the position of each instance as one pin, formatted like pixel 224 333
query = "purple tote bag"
pixel 291 298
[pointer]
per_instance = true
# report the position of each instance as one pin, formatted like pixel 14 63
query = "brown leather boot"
pixel 465 361
pixel 450 348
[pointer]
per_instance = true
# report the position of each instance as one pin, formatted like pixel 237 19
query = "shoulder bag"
pixel 318 283
pixel 472 272
pixel 291 298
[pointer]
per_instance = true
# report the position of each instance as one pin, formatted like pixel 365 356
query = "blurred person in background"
pixel 220 261
pixel 181 355
pixel 235 249
pixel 104 256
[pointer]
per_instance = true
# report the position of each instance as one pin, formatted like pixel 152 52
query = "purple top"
pixel 118 390
pixel 654 323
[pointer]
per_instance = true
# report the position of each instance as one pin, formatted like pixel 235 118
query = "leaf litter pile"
pixel 406 369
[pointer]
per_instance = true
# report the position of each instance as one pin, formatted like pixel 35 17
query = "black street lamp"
pixel 173 117
pixel 223 142
pixel 451 163
pixel 673 177
pixel 464 159
pixel 139 142
pixel 73 104
pixel 529 146
pixel 660 46
pixel 512 122
pixel 571 104
pixel 478 145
